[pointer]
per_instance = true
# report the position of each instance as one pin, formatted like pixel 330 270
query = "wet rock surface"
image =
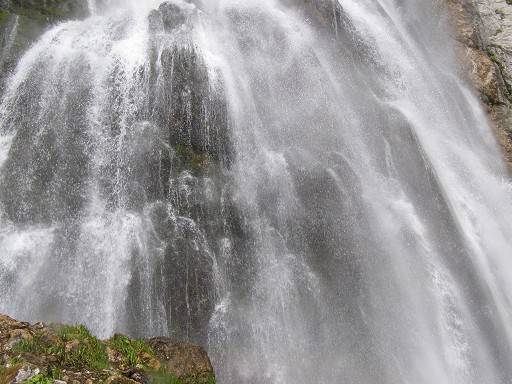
pixel 483 29
pixel 23 21
pixel 59 354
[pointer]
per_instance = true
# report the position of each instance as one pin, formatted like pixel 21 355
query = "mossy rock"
pixel 72 353
pixel 22 22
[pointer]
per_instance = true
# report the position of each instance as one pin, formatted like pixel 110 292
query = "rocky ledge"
pixel 44 354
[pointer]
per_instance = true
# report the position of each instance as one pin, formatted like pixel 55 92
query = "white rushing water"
pixel 306 187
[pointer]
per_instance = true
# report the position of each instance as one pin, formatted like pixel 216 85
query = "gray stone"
pixel 26 373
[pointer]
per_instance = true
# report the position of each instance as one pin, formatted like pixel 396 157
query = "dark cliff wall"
pixel 23 21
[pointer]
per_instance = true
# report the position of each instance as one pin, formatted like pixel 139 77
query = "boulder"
pixel 182 359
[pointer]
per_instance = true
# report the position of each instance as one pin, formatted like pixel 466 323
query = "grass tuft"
pixel 131 350
pixel 90 352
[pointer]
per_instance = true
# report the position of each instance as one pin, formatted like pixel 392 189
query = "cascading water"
pixel 304 186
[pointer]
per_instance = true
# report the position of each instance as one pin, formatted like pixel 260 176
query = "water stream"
pixel 305 187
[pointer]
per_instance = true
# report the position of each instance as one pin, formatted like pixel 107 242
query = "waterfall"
pixel 308 188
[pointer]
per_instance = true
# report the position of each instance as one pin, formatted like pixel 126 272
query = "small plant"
pixel 39 379
pixel 30 346
pixel 54 373
pixel 76 332
pixel 15 361
pixel 88 353
pixel 209 379
pixel 132 350
pixel 161 377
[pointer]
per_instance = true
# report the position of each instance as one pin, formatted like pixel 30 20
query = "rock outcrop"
pixel 45 354
pixel 483 30
pixel 23 21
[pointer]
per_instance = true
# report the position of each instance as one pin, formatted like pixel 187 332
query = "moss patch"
pixel 195 162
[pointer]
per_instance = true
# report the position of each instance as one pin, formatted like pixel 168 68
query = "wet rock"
pixel 180 358
pixel 23 21
pixel 156 23
pixel 485 76
pixel 483 29
pixel 172 16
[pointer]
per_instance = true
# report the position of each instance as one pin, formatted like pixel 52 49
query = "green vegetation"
pixel 35 345
pixel 82 350
pixel 161 377
pixel 76 348
pixel 40 379
pixel 54 373
pixel 500 13
pixel 4 15
pixel 131 350
pixel 196 162
pixel 60 350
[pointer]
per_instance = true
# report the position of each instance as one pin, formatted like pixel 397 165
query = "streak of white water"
pixel 360 230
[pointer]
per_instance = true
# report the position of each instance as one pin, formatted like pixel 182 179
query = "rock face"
pixel 483 29
pixel 23 21
pixel 41 353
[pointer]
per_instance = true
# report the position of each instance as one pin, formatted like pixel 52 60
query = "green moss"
pixel 192 160
pixel 4 16
pixel 131 350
